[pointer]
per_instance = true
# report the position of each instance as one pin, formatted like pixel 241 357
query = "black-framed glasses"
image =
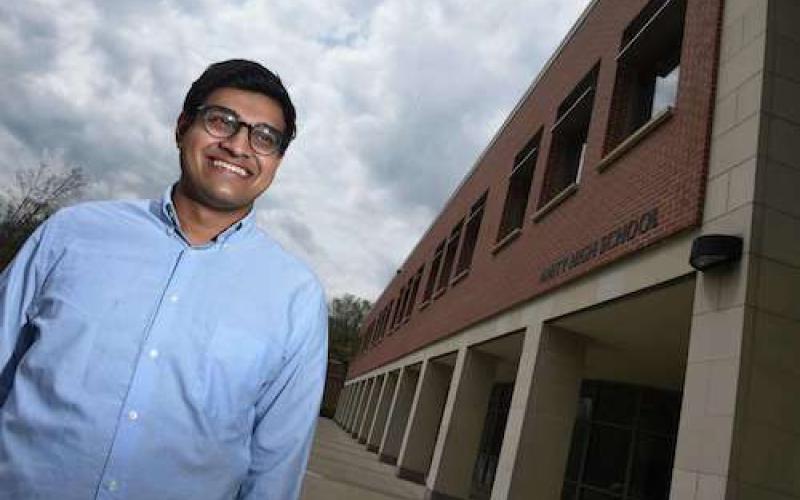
pixel 224 123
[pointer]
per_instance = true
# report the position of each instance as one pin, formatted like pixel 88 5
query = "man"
pixel 167 349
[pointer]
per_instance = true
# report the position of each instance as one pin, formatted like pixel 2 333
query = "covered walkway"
pixel 341 469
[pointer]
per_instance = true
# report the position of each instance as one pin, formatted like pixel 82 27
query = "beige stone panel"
pixel 779 186
pixel 724 375
pixel 734 146
pixel 755 21
pixel 784 136
pixel 770 458
pixel 732 38
pixel 695 391
pixel 772 398
pixel 736 9
pixel 716 335
pixel 704 445
pixel 742 188
pixel 751 492
pixel 711 487
pixel 684 485
pixel 545 455
pixel 706 295
pixel 750 97
pixel 781 237
pixel 786 15
pixel 787 57
pixel 785 105
pixel 777 343
pixel 779 288
pixel 717 190
pixel 725 114
pixel 742 65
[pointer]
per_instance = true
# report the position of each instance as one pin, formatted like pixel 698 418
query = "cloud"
pixel 395 102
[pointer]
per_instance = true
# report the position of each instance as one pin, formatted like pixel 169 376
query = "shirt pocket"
pixel 238 361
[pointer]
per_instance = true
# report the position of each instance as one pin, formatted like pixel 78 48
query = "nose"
pixel 239 143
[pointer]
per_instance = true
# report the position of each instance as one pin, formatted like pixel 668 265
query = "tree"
pixel 345 316
pixel 32 198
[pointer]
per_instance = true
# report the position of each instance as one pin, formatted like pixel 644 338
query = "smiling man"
pixel 167 349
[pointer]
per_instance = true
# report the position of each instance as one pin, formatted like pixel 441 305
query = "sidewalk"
pixel 342 469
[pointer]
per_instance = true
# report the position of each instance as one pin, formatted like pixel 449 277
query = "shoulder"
pixel 107 211
pixel 286 264
pixel 103 220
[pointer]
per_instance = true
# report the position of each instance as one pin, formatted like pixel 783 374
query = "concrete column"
pixel 350 403
pixel 362 407
pixel 346 402
pixel 346 413
pixel 426 417
pixel 542 414
pixel 375 435
pixel 398 414
pixel 340 405
pixel 351 424
pixel 453 460
pixel 739 435
pixel 369 412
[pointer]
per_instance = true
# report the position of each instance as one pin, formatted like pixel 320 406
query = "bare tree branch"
pixel 34 196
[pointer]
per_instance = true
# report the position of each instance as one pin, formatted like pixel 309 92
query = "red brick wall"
pixel 664 172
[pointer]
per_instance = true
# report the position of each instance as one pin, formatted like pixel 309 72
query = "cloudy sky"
pixel 396 100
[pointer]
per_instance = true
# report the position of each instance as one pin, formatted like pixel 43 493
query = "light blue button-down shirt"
pixel 135 366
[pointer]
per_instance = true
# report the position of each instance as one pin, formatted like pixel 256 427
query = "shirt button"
pixel 113 485
pixel 173 298
pixel 133 415
pixel 153 353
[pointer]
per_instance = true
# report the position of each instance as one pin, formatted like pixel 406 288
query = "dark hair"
pixel 244 75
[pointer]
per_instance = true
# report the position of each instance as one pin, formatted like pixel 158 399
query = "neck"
pixel 199 223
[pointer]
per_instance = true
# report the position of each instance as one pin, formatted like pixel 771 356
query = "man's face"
pixel 226 174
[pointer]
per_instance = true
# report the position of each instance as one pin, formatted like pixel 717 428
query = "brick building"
pixel 548 338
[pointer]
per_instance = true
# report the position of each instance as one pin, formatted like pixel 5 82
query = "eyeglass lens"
pixel 224 123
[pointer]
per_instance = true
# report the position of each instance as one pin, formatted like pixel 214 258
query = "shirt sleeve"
pixel 287 412
pixel 19 283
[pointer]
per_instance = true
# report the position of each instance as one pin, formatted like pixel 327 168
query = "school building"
pixel 608 306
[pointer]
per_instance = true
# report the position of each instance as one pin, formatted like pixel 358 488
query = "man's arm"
pixel 287 412
pixel 19 283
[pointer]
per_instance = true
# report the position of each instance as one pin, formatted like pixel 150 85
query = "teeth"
pixel 230 168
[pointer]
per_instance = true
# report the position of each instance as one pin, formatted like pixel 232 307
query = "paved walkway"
pixel 342 469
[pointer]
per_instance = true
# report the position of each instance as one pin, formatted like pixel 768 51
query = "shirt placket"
pixel 143 381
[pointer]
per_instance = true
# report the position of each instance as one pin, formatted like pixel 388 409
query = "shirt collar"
pixel 242 227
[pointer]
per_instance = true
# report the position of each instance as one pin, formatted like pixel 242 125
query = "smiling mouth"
pixel 230 167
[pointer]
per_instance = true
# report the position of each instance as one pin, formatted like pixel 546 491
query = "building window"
pixel 434 272
pixel 384 320
pixel 623 442
pixel 413 293
pixel 449 256
pixel 519 187
pixel 399 307
pixel 648 68
pixel 473 228
pixel 569 136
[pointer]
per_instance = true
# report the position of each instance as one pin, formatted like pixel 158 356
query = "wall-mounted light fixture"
pixel 712 250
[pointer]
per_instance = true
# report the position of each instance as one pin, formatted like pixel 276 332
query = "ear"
pixel 181 127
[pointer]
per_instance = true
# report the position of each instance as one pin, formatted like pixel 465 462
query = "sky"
pixel 396 101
